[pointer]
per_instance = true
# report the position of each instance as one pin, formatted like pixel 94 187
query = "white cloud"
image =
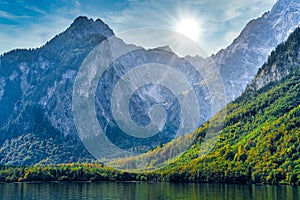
pixel 33 33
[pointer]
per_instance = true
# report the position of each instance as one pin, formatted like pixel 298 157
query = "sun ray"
pixel 188 27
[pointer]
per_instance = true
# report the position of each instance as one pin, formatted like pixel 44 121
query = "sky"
pixel 215 23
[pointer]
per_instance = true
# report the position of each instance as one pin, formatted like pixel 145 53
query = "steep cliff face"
pixel 36 92
pixel 240 62
pixel 282 62
pixel 37 84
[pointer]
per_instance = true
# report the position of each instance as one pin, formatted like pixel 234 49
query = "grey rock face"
pixel 240 62
pixel 42 80
pixel 283 61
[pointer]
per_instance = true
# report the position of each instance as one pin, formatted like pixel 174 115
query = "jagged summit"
pixel 85 26
pixel 81 33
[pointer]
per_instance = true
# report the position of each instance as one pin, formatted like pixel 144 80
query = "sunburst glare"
pixel 188 27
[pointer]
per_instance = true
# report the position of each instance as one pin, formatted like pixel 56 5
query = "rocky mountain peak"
pixel 83 34
pixel 240 61
pixel 84 26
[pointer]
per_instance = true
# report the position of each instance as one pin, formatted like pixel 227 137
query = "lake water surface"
pixel 141 190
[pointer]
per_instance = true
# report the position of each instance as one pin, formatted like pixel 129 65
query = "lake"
pixel 141 190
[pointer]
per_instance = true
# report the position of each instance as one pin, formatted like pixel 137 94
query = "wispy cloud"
pixel 31 36
pixel 10 16
pixel 36 9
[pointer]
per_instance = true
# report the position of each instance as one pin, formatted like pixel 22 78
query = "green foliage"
pixel 65 172
pixel 260 142
pixel 43 149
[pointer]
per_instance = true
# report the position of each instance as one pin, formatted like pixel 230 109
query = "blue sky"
pixel 25 24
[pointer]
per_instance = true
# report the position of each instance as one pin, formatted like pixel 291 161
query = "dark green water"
pixel 112 190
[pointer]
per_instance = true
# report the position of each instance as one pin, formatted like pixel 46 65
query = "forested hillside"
pixel 261 135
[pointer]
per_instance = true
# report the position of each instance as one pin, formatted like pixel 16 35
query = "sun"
pixel 188 27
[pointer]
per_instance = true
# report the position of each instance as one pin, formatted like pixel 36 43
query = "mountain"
pixel 260 141
pixel 36 88
pixel 36 91
pixel 239 62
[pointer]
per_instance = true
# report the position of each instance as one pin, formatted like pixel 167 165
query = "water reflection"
pixel 140 190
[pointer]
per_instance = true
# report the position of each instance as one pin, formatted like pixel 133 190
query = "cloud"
pixel 39 25
pixel 35 9
pixel 10 16
pixel 221 20
pixel 30 36
pixel 236 8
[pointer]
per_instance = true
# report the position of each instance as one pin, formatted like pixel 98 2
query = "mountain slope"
pixel 36 91
pixel 42 82
pixel 260 141
pixel 261 138
pixel 240 61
